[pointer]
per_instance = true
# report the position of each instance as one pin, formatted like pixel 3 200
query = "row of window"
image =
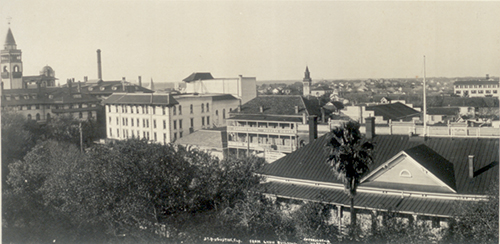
pixel 479 92
pixel 145 122
pixel 145 109
pixel 70 106
pixel 145 134
pixel 477 86
pixel 37 116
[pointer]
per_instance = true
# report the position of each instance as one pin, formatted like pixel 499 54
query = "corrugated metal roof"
pixel 434 162
pixel 138 98
pixel 308 162
pixel 363 200
pixel 211 139
pixel 393 111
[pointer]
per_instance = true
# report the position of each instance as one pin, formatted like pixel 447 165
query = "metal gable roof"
pixel 198 76
pixel 308 162
pixel 280 105
pixel 393 111
pixel 138 98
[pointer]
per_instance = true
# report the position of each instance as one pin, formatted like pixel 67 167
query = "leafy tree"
pixel 16 139
pixel 312 221
pixel 349 157
pixel 29 203
pixel 66 128
pixel 120 192
pixel 476 222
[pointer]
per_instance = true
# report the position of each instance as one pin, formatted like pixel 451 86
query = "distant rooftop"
pixel 199 76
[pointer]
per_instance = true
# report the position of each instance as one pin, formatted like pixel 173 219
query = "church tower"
pixel 307 83
pixel 11 64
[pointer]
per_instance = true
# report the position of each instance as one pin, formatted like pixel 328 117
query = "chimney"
pixel 322 115
pixel 487 76
pixel 85 79
pixel 261 109
pixel 471 166
pixel 99 69
pixel 313 128
pixel 296 109
pixel 304 118
pixel 370 127
pixel 79 87
pixel 68 81
pixel 140 81
pixel 239 108
pixel 123 83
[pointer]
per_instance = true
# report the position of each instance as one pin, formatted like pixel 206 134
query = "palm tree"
pixel 349 157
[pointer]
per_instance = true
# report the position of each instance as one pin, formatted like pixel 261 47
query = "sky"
pixel 271 40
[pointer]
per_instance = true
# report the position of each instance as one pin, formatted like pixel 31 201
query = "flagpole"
pixel 425 104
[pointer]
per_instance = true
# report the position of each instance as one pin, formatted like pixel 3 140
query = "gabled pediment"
pixel 415 169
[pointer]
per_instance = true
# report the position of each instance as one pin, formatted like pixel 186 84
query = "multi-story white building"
pixel 477 88
pixel 243 88
pixel 164 118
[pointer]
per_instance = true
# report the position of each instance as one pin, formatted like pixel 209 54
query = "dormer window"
pixel 91 88
pixel 7 97
pixel 51 96
pixel 26 97
pixel 114 88
pixel 405 173
pixel 16 97
pixel 102 88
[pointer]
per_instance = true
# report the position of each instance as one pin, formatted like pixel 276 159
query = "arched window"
pixel 173 110
pixel 37 117
pixel 217 113
pixel 208 107
pixel 180 110
pixel 48 116
pixel 224 114
pixel 90 114
pixel 202 107
pixel 29 116
pixel 191 109
pixel 80 115
pixel 16 68
pixel 405 173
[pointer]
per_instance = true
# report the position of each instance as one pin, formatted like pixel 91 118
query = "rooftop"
pixel 280 105
pixel 141 98
pixel 198 76
pixel 393 111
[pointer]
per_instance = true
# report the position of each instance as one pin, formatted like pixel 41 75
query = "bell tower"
pixel 307 83
pixel 11 64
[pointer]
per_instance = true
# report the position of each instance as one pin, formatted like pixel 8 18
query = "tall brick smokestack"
pixel 99 68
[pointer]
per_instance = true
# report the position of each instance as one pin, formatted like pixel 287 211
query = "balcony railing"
pixel 261 130
pixel 261 147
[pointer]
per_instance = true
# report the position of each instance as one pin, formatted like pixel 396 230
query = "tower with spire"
pixel 307 83
pixel 11 64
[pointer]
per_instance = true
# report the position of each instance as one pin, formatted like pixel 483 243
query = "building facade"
pixel 164 118
pixel 243 88
pixel 414 179
pixel 269 126
pixel 477 88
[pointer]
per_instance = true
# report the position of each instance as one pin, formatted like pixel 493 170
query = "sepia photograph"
pixel 250 122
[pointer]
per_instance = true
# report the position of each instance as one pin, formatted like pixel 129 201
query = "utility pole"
pixel 81 137
pixel 425 104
